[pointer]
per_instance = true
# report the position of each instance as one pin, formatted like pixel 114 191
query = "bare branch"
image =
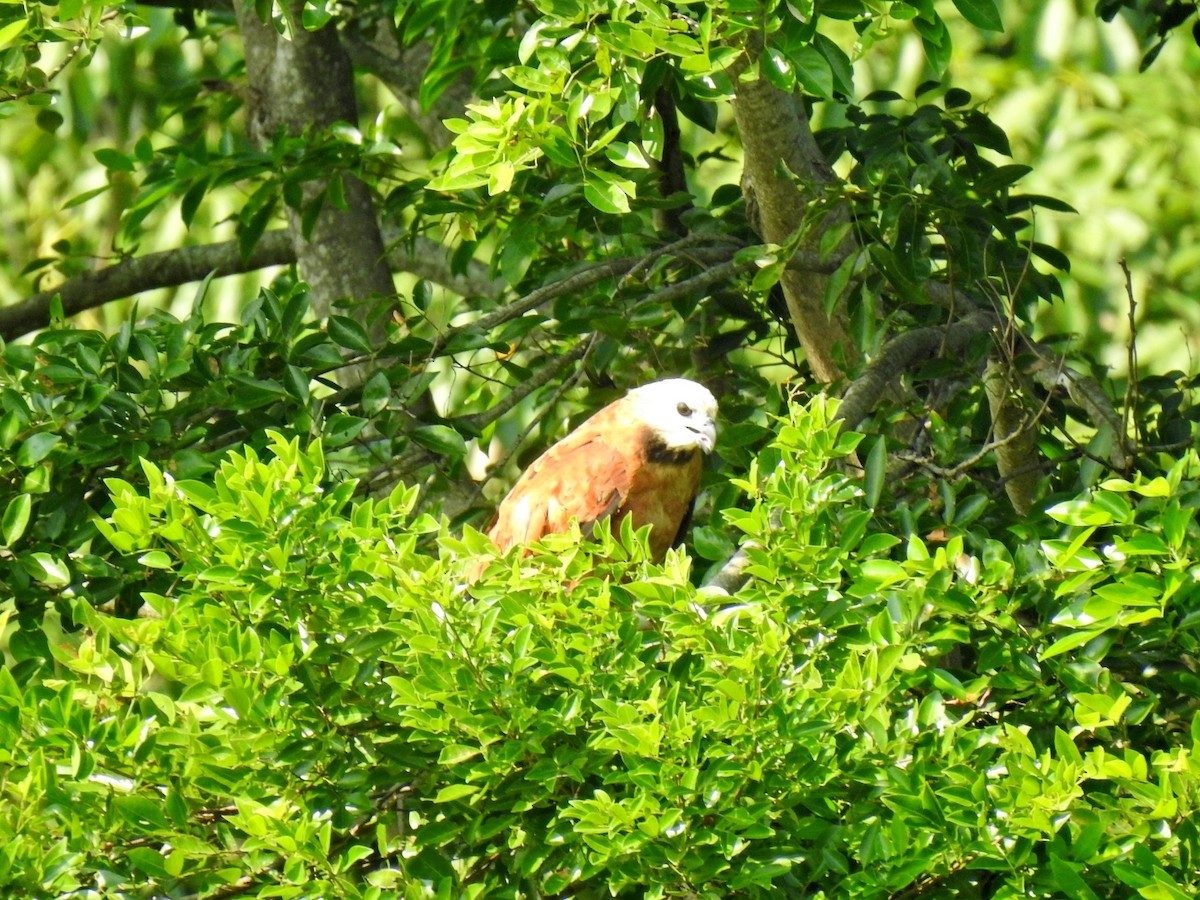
pixel 585 278
pixel 699 282
pixel 539 379
pixel 902 353
pixel 1051 373
pixel 416 455
pixel 419 256
pixel 170 268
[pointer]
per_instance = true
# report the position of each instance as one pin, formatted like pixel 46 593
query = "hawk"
pixel 640 456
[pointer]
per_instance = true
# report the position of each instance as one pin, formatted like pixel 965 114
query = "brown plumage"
pixel 640 456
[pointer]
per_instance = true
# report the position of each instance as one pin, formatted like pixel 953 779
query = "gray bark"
pixel 305 81
pixel 776 136
pixel 169 268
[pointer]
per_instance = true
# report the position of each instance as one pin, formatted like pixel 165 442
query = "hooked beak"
pixel 706 435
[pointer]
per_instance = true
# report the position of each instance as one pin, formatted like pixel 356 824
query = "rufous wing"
pixel 586 476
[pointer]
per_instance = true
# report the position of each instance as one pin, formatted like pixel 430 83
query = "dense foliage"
pixel 314 705
pixel 957 654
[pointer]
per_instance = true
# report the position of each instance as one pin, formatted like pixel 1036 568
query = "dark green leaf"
pixel 813 72
pixel 441 439
pixel 981 13
pixel 36 447
pixel 376 393
pixel 348 333
pixel 16 518
pixel 113 160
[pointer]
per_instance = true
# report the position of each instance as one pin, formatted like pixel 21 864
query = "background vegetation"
pixel 293 290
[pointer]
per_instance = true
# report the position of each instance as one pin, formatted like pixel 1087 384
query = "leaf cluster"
pixel 318 707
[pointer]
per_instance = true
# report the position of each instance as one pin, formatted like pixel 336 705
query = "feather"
pixel 641 456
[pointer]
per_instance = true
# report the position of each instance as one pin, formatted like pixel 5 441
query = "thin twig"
pixel 586 278
pixel 415 455
pixel 30 89
pixel 955 472
pixel 1131 384
pixel 673 249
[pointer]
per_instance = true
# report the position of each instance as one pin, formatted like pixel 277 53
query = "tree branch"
pixel 784 178
pixel 900 354
pixel 732 576
pixel 585 278
pixel 169 268
pixel 301 82
pixel 418 256
pixel 539 379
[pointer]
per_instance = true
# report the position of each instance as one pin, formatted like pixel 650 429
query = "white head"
pixel 682 413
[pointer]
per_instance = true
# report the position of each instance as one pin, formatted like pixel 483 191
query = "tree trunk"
pixel 304 80
pixel 775 132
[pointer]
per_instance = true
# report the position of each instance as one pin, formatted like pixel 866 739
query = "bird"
pixel 641 456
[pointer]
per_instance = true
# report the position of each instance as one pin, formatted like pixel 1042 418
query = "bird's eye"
pixel 683 409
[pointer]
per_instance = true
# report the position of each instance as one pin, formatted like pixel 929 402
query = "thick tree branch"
pixel 672 178
pixel 418 256
pixel 170 268
pixel 900 353
pixel 1015 435
pixel 1050 372
pixel 779 148
pixel 732 575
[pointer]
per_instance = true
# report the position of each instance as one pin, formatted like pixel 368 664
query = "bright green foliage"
pixel 317 706
pixel 916 695
pixel 77 406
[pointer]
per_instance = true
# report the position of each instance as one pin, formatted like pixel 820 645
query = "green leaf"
pixel 1155 487
pixel 156 559
pixel 113 160
pixel 813 72
pixel 46 569
pixel 1069 642
pixel 604 195
pixel 35 448
pixel 11 31
pixel 376 393
pixel 777 69
pixel 983 14
pixel 341 429
pixel 16 518
pixel 1068 881
pixel 876 472
pixel 442 439
pixel 148 861
pixel 948 683
pixel 627 156
pixel 1080 512
pixel 453 754
pixel 10 427
pixel 839 279
pixel 453 792
pixel 348 333
pixel 251 227
pixel 883 571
